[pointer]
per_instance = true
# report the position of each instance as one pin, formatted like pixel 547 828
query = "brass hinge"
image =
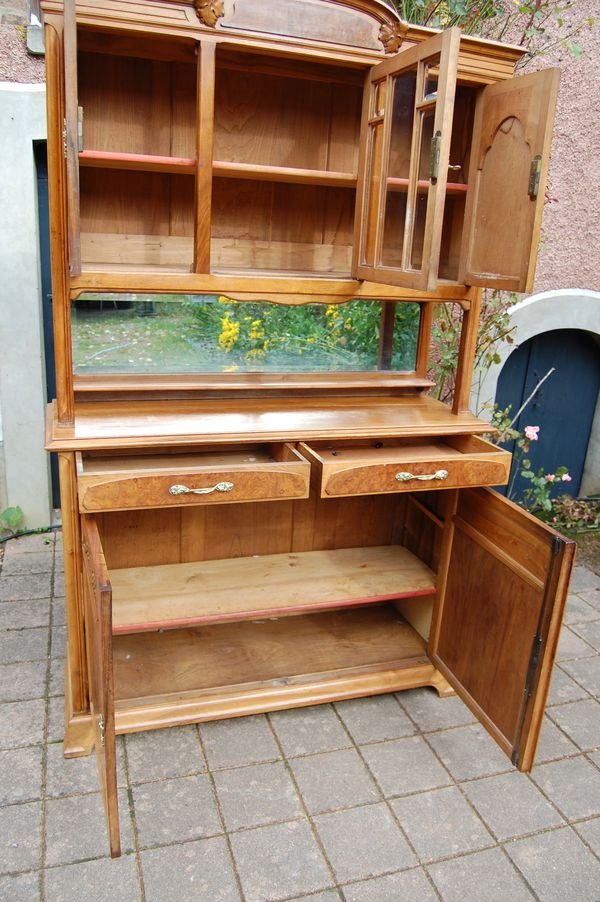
pixel 533 665
pixel 101 729
pixel 534 177
pixel 64 137
pixel 434 162
pixel 80 128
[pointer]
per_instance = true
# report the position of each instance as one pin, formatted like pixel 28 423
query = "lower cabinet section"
pixel 206 612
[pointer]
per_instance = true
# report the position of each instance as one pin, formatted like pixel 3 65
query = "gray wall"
pixel 24 473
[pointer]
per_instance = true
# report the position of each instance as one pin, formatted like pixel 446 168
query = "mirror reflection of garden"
pixel 182 334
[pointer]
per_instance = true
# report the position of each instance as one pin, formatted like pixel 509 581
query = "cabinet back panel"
pixel 170 536
pixel 276 121
pixel 266 225
pixel 139 203
pixel 137 105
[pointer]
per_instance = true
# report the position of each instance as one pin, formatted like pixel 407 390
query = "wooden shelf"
pixel 104 424
pixel 172 596
pixel 401 185
pixel 223 670
pixel 257 172
pixel 140 162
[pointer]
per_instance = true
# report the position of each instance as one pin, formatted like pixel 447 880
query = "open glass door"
pixel 500 616
pixel 98 637
pixel 505 199
pixel 403 168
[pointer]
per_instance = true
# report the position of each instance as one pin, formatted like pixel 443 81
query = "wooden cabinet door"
pixel 505 198
pixel 499 618
pixel 403 167
pixel 71 134
pixel 98 637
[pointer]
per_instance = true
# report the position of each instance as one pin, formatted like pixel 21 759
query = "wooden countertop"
pixel 130 424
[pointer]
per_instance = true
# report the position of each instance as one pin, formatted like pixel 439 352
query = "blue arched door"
pixel 563 407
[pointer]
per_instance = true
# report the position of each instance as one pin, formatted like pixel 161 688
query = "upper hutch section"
pixel 293 140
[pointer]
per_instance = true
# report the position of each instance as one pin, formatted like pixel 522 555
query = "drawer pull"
pixel 406 477
pixel 183 489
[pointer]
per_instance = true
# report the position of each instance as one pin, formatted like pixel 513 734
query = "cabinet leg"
pixel 441 685
pixel 79 737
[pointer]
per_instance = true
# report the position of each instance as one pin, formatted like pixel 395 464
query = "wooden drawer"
pixel 388 465
pixel 215 476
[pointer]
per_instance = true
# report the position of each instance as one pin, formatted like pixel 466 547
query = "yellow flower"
pixel 230 331
pixel 256 331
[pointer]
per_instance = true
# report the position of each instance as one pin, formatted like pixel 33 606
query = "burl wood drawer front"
pixel 373 467
pixel 256 473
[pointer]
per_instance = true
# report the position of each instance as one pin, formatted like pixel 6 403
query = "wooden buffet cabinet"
pixel 246 537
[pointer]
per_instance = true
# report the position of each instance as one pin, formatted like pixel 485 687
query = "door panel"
pixel 500 618
pixel 512 133
pixel 403 167
pixel 98 636
pixel 71 133
pixel 563 407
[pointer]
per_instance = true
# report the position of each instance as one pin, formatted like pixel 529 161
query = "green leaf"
pixel 12 517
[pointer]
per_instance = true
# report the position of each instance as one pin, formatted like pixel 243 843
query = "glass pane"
pixel 123 333
pixel 419 216
pixel 430 81
pixel 398 169
pixel 370 226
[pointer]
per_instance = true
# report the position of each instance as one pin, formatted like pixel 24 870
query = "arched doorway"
pixel 565 404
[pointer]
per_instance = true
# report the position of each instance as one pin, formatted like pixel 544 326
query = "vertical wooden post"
pixel 76 689
pixel 424 340
pixel 204 153
pixel 466 352
pixel 386 335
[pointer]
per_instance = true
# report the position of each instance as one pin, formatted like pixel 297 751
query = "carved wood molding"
pixel 392 35
pixel 210 11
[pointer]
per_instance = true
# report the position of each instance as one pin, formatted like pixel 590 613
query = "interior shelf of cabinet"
pixel 224 670
pixel 140 162
pixel 292 175
pixel 401 185
pixel 171 596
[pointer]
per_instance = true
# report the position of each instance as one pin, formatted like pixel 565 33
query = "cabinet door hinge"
pixel 80 128
pixel 534 177
pixel 101 729
pixel 64 137
pixel 534 663
pixel 434 162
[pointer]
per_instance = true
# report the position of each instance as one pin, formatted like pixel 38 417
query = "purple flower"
pixel 531 432
pixel 566 477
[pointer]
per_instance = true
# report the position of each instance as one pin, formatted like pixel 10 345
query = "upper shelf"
pixel 101 159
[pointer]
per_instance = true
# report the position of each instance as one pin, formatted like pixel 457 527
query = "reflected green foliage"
pixel 182 334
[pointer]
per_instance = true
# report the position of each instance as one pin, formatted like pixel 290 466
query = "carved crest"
pixel 392 36
pixel 210 11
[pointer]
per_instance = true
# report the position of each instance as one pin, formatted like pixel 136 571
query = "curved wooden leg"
pixel 441 685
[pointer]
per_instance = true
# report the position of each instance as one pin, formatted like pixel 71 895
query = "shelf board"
pixel 140 162
pixel 173 596
pixel 224 669
pixel 401 186
pixel 258 172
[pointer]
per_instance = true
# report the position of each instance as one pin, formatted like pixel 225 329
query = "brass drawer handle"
pixel 406 477
pixel 183 489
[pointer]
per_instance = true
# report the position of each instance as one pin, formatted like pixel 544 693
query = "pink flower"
pixel 531 432
pixel 566 477
pixel 549 477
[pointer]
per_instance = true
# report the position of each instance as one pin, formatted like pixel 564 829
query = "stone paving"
pixel 399 797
